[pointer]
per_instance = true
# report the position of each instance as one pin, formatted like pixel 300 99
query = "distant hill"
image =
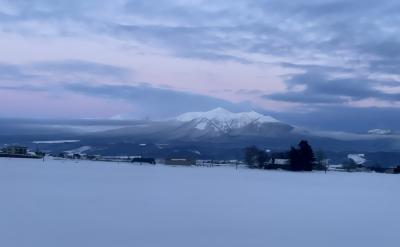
pixel 216 134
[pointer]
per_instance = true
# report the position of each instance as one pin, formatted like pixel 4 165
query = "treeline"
pixel 300 158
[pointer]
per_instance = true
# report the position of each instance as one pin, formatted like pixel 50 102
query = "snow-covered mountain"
pixel 222 120
pixel 217 125
pixel 214 134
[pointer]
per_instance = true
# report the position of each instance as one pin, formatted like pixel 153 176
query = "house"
pixel 66 155
pixel 277 163
pixel 180 161
pixel 144 160
pixel 182 158
pixel 94 157
pixel 281 162
pixel 336 167
pixel 73 155
pixel 15 150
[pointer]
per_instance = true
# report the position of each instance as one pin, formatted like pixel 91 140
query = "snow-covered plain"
pixel 95 204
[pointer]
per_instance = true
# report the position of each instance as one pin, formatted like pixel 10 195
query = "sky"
pixel 315 63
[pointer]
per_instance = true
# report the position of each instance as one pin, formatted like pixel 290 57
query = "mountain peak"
pixel 222 119
pixel 219 110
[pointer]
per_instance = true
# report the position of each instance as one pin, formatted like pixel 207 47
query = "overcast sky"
pixel 317 63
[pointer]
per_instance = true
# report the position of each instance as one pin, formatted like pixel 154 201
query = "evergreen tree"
pixel 301 159
pixel 307 156
pixel 294 158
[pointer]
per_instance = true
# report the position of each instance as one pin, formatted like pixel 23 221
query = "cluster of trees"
pixel 300 159
pixel 254 157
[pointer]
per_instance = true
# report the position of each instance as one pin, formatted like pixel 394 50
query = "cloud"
pixel 155 102
pixel 40 75
pixel 11 72
pixel 94 80
pixel 218 30
pixel 337 52
pixel 22 87
pixel 80 67
pixel 340 118
pixel 327 86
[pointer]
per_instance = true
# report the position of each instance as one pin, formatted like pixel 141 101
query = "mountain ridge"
pixel 223 120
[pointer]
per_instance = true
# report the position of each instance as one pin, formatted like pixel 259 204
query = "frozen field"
pixel 94 204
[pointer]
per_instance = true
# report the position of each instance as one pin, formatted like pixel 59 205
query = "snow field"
pixel 68 203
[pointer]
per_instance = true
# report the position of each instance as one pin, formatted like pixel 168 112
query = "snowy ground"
pixel 95 204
